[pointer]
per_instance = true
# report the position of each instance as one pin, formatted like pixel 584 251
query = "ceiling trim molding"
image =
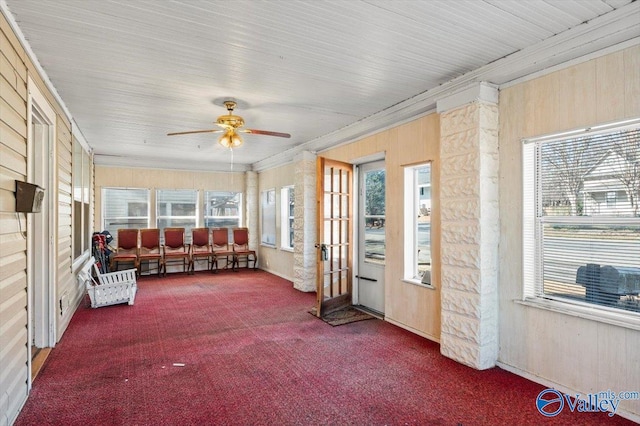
pixel 606 51
pixel 588 38
pixel 79 136
pixel 154 163
pixel 473 92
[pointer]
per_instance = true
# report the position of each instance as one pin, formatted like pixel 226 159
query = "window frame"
pixel 160 217
pixel 81 192
pixel 412 189
pixel 287 217
pixel 105 217
pixel 206 217
pixel 268 230
pixel 533 222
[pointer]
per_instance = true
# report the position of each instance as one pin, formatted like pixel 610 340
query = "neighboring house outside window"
pixel 581 220
pixel 222 209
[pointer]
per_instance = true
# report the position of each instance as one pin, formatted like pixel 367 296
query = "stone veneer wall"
pixel 470 233
pixel 252 206
pixel 304 225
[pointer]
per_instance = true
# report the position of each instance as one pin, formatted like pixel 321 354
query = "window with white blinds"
pixel 222 209
pixel 581 208
pixel 268 211
pixel 177 208
pixel 124 208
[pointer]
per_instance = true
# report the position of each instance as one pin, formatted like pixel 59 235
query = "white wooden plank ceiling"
pixel 129 71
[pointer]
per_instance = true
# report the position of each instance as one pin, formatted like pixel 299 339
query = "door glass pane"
pixel 335 184
pixel 344 182
pixel 344 206
pixel 336 207
pixel 327 205
pixel 374 216
pixel 327 231
pixel 343 256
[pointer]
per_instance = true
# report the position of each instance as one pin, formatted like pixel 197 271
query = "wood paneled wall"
pixel 122 177
pixel 410 306
pixel 578 354
pixel 274 259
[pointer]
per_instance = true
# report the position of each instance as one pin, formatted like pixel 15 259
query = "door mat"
pixel 344 316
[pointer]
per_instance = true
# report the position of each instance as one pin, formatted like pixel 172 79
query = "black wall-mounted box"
pixel 28 197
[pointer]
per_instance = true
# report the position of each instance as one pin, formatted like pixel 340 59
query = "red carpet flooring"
pixel 242 349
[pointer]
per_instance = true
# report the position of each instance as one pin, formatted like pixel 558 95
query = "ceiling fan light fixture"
pixel 230 139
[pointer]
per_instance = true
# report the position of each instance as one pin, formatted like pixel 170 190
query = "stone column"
pixel 252 207
pixel 304 231
pixel 470 225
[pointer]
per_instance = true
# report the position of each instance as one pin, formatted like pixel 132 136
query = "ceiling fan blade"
pixel 196 131
pixel 265 132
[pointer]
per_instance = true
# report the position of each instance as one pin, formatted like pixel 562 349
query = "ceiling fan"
pixel 231 125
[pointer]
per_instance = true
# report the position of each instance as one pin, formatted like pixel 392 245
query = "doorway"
pixel 371 236
pixel 40 227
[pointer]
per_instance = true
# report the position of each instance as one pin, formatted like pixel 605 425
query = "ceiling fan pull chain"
pixel 231 149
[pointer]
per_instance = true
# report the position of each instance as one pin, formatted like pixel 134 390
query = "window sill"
pixel 79 261
pixel 290 250
pixel 418 283
pixel 629 321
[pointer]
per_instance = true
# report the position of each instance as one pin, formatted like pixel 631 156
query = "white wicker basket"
pixel 112 288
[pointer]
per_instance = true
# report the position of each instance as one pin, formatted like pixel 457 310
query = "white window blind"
pixel 581 222
pixel 124 208
pixel 176 208
pixel 269 217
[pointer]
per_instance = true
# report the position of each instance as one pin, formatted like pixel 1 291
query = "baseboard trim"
pixel 551 384
pixel 411 329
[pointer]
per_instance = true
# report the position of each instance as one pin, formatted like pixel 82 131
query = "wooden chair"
pixel 150 250
pixel 201 248
pixel 174 249
pixel 221 249
pixel 127 250
pixel 241 247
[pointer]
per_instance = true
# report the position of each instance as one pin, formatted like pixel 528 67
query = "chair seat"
pixel 200 254
pixel 176 254
pixel 125 256
pixel 150 256
pixel 228 254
